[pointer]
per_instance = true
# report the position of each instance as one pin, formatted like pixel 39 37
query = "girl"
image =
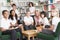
pixel 31 9
pixel 13 18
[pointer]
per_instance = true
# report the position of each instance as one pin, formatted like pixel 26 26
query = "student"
pixel 28 20
pixel 53 27
pixel 37 18
pixel 15 9
pixel 44 18
pixel 55 21
pixel 6 28
pixel 13 18
pixel 32 8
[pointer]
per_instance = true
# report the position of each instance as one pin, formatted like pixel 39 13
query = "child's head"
pixel 12 12
pixel 37 13
pixel 14 6
pixel 5 13
pixel 31 4
pixel 28 13
pixel 43 14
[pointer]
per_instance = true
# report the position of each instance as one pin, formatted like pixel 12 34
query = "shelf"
pixel 53 3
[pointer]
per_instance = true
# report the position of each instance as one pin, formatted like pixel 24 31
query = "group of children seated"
pixel 9 23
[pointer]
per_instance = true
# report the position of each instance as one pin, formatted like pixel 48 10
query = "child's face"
pixel 6 15
pixel 30 4
pixel 28 14
pixel 14 7
pixel 37 13
pixel 42 15
pixel 13 13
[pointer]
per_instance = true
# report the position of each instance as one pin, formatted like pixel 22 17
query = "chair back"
pixel 57 30
pixel 0 33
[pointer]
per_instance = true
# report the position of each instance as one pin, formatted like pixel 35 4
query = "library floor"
pixel 41 39
pixel 58 38
pixel 34 39
pixel 30 39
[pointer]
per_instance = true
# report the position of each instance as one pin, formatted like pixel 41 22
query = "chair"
pixel 50 37
pixel 7 37
pixel 0 35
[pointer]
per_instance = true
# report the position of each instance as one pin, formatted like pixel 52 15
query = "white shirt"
pixel 55 22
pixel 5 23
pixel 45 21
pixel 28 20
pixel 59 18
pixel 32 9
pixel 13 21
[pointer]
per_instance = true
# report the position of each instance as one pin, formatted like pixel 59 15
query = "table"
pixel 30 33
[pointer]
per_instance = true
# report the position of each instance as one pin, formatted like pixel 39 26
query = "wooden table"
pixel 30 33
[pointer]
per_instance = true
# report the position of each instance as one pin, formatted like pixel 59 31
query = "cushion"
pixel 57 30
pixel 45 36
pixel 7 37
pixel 0 34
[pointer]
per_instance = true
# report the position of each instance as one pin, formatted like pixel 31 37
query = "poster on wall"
pixel 51 1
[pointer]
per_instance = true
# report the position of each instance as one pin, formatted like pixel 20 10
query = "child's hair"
pixel 30 3
pixel 44 13
pixel 13 5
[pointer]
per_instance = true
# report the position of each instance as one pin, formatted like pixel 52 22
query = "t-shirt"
pixel 13 21
pixel 5 23
pixel 32 9
pixel 28 20
pixel 45 21
pixel 55 22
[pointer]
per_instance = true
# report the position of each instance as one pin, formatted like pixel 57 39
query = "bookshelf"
pixel 22 5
